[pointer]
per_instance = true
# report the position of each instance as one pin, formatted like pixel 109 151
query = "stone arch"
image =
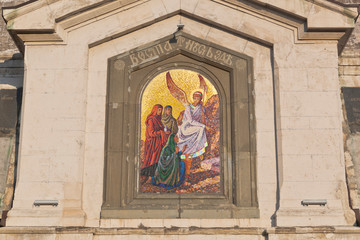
pixel 231 73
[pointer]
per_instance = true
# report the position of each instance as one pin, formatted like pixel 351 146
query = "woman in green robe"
pixel 170 172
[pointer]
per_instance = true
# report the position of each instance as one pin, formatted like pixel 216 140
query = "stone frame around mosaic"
pixel 232 75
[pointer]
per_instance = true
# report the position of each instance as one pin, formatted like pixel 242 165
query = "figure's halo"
pixel 198 90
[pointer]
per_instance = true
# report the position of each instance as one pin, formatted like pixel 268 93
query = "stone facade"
pixel 298 115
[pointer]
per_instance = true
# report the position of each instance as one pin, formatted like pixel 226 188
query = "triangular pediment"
pixel 44 21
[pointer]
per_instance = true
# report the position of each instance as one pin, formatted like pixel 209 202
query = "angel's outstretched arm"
pixel 177 92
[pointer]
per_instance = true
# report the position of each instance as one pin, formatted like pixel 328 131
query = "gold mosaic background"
pixel 158 93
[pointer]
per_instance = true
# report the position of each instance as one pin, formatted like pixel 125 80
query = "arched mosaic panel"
pixel 180 134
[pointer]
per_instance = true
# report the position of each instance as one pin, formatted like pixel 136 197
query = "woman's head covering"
pixel 153 113
pixel 166 118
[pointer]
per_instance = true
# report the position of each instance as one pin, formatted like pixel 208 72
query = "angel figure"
pixel 191 132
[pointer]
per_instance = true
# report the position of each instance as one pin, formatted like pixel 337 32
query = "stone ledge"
pixel 314 230
pixel 133 231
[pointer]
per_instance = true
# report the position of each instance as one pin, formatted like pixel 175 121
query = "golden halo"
pixel 198 90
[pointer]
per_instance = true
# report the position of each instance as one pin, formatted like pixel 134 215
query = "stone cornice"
pixel 143 230
pixel 278 11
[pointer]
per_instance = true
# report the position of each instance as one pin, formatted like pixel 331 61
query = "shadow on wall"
pixel 12 71
pixel 11 81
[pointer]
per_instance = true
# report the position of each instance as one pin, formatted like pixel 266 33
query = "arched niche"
pixel 229 74
pixel 170 113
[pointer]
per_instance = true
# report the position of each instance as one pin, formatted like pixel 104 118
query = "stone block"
pixel 29 236
pixel 318 18
pixel 222 223
pixel 182 223
pixel 70 81
pixel 55 105
pixel 261 55
pixel 40 163
pixel 301 190
pixel 293 79
pixel 269 208
pixel 349 81
pixel 262 30
pixel 67 123
pixel 31 191
pixel 263 81
pixel 266 166
pixel 302 233
pixel 97 82
pixel 172 5
pixel 206 10
pixel 267 192
pixel 310 142
pixel 95 116
pixel 298 168
pixel 309 104
pixel 345 60
pixel 189 5
pixel 264 107
pixel 95 142
pixel 324 122
pixel 28 21
pixel 327 168
pixel 263 125
pixel 349 70
pixel 288 55
pixel 265 144
pixel 323 79
pixel 41 57
pixel 311 217
pixel 74 236
pixel 116 223
pixel 152 223
pixel 40 81
pixel 66 168
pixel 295 123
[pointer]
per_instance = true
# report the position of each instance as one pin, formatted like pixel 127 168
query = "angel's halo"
pixel 198 90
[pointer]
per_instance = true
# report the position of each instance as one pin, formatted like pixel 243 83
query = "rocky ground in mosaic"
pixel 201 179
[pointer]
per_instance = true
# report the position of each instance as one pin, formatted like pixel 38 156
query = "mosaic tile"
pixel 180 134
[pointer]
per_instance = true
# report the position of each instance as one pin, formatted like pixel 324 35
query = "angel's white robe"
pixel 192 131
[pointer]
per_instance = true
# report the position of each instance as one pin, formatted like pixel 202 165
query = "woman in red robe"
pixel 154 142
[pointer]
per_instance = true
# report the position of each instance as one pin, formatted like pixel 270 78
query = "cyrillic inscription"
pixel 190 45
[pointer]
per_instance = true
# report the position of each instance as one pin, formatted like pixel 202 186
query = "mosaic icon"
pixel 180 134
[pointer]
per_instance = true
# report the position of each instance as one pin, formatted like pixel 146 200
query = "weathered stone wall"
pixel 11 61
pixel 7 46
pixel 11 79
pixel 349 76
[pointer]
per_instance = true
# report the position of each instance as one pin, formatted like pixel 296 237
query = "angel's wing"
pixel 177 92
pixel 202 85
